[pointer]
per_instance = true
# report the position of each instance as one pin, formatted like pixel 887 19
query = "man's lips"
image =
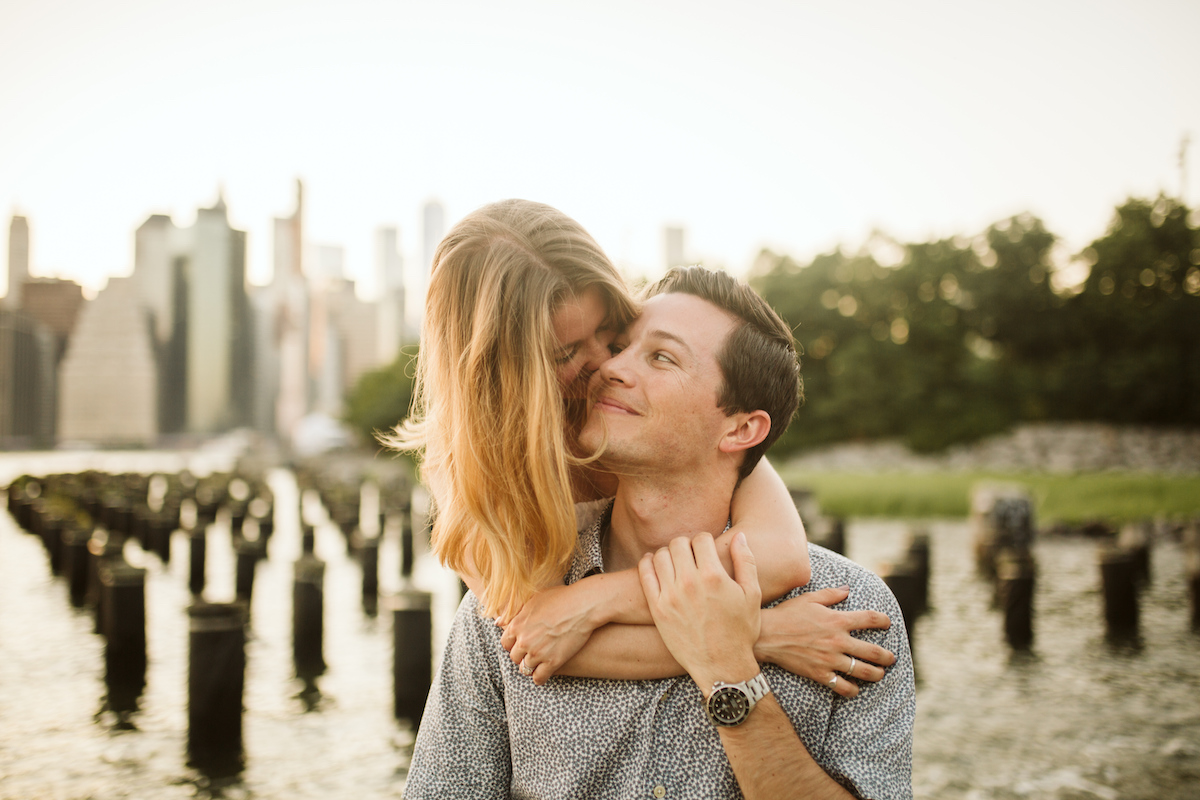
pixel 605 403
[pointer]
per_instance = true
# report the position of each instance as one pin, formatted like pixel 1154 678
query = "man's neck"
pixel 649 513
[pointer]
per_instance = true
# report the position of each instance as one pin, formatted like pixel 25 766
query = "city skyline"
pixel 781 126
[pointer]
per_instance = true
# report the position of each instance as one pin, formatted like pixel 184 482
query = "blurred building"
pixel 354 339
pixel 55 303
pixel 389 268
pixel 673 238
pixel 108 378
pixel 434 225
pixel 159 262
pixel 286 352
pixel 39 315
pixel 157 244
pixel 18 261
pixel 219 345
pixel 27 382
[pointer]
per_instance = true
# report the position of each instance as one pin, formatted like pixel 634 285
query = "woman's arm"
pixel 802 635
pixel 763 505
pixel 556 623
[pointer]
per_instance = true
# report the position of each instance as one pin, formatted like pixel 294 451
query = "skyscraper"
pixel 109 375
pixel 18 261
pixel 434 218
pixel 219 344
pixel 156 244
pixel 673 238
pixel 291 309
pixel 27 382
pixel 161 257
pixel 389 267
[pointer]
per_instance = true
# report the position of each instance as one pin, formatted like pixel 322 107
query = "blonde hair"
pixel 488 412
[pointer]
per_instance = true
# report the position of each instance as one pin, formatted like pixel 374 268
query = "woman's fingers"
pixel 860 620
pixel 826 597
pixel 518 653
pixel 842 685
pixel 542 673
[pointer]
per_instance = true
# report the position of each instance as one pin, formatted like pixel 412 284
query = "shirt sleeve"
pixel 869 742
pixel 462 747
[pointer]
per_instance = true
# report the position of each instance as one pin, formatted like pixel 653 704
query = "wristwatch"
pixel 730 703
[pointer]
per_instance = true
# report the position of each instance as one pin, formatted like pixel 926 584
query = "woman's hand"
pixel 804 636
pixel 549 629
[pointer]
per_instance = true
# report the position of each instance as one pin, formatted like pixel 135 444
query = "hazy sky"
pixel 793 125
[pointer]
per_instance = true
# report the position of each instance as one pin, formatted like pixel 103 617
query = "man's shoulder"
pixel 834 569
pixel 471 625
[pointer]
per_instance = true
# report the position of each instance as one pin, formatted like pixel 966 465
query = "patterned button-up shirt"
pixel 489 732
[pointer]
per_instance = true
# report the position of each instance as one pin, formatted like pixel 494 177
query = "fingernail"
pixel 845 587
pixel 741 538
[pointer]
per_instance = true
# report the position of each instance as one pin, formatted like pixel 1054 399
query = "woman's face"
pixel 583 340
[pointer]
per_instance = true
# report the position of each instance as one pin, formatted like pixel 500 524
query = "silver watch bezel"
pixel 751 691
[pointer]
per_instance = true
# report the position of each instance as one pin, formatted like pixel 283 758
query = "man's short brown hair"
pixel 759 364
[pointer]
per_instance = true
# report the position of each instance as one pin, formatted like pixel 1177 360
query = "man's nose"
pixel 615 368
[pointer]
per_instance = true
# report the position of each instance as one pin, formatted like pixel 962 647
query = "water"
pixel 51 676
pixel 1075 720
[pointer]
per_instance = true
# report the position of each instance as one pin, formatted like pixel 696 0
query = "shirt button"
pixel 659 791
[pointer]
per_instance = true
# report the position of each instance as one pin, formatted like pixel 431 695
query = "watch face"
pixel 728 706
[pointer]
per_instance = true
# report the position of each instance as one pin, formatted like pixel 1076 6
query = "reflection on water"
pixel 1074 720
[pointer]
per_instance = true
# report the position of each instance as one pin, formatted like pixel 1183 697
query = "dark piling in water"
pixel 308 620
pixel 1016 574
pixel 1118 578
pixel 412 659
pixel 124 590
pixel 216 681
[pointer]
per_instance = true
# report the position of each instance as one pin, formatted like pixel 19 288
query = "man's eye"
pixel 663 357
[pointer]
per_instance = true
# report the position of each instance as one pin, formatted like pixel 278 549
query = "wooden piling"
pixel 918 561
pixel 406 543
pixel 412 659
pixel 197 547
pixel 1001 519
pixel 308 618
pixel 216 681
pixel 248 556
pixel 1135 538
pixel 905 585
pixel 124 589
pixel 75 564
pixel 1191 560
pixel 1118 576
pixel 1015 577
pixel 369 559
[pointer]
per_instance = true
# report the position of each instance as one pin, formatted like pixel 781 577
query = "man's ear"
pixel 745 430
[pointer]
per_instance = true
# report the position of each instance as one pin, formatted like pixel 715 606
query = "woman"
pixel 521 307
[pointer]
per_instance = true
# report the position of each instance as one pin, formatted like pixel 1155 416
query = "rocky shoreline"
pixel 1056 448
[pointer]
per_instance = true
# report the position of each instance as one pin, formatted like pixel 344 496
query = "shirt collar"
pixel 589 552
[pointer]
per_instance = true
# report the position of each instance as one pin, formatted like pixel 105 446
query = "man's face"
pixel 658 394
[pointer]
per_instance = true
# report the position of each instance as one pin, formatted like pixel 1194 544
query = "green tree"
pixel 381 398
pixel 1134 351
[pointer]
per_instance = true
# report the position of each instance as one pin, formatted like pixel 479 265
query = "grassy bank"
pixel 1111 496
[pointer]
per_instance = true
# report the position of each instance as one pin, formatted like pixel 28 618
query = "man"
pixel 705 380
